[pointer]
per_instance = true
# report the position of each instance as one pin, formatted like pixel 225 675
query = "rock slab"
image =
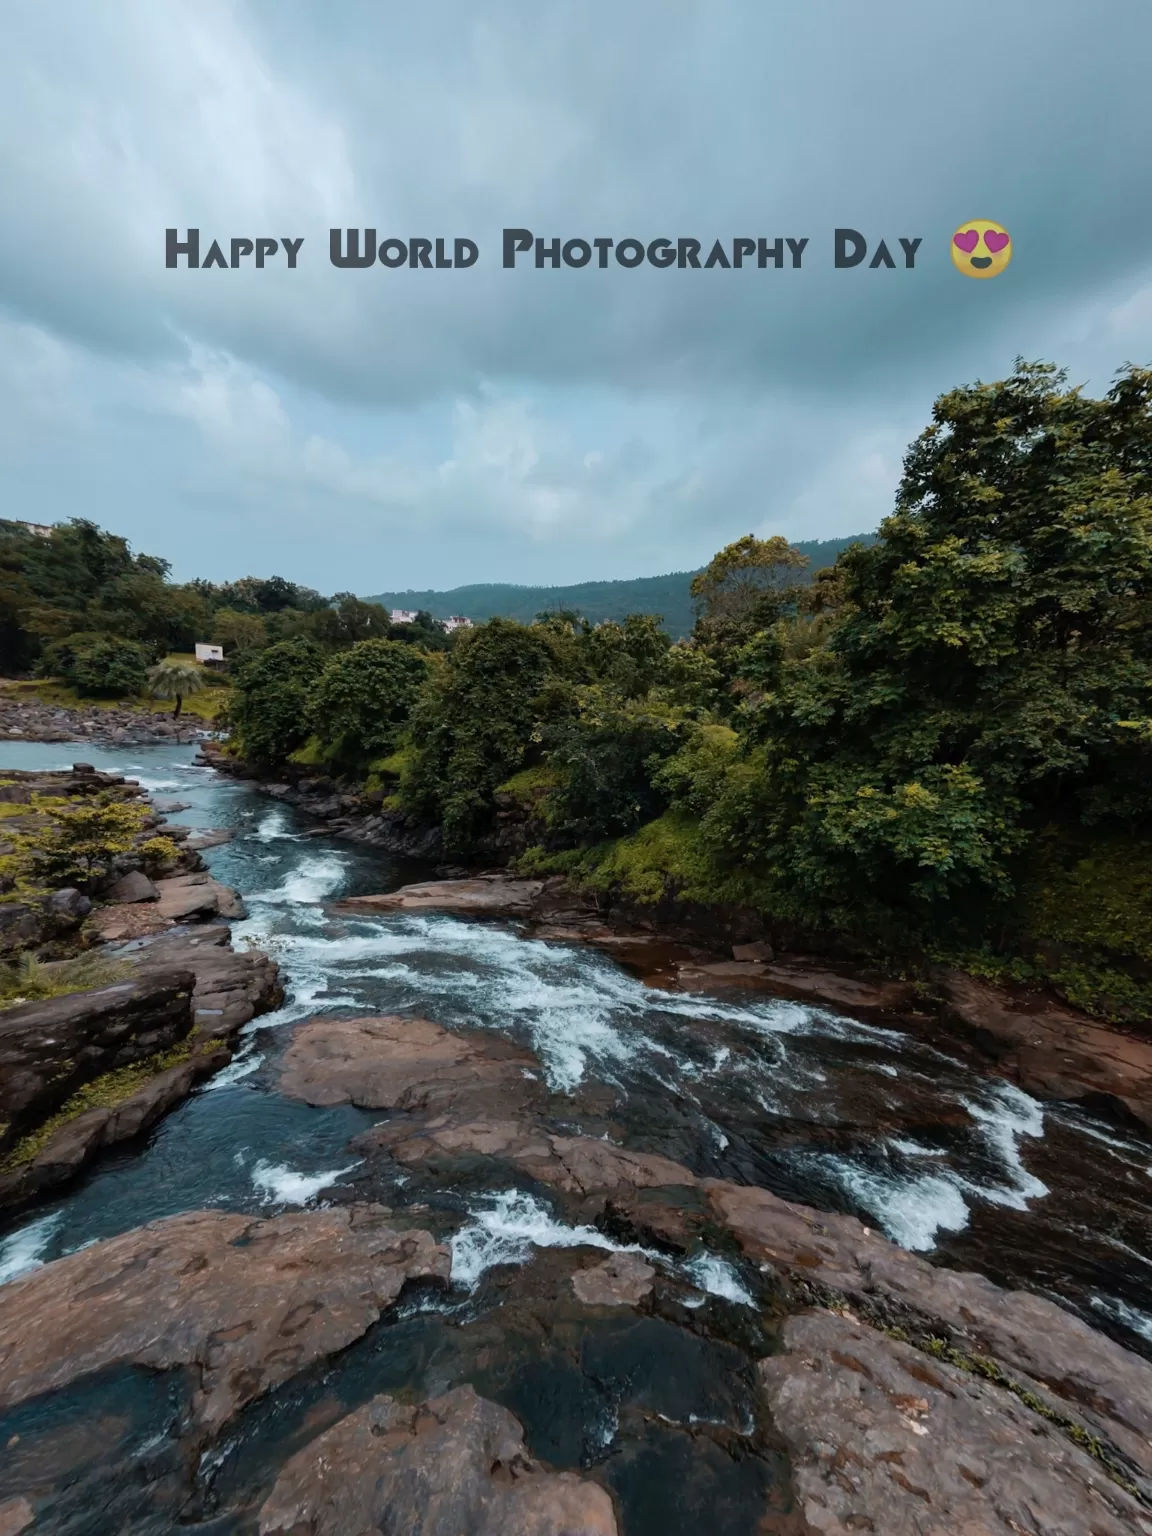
pixel 245 1304
pixel 885 1440
pixel 453 1466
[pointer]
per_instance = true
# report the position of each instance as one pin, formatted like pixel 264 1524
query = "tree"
pixel 269 708
pixel 478 721
pixel 364 695
pixel 97 665
pixel 988 670
pixel 176 680
pixel 349 619
pixel 80 842
pixel 239 632
pixel 747 580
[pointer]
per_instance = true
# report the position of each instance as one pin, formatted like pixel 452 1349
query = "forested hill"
pixel 593 600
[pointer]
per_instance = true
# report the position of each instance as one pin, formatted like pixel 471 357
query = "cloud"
pixel 537 424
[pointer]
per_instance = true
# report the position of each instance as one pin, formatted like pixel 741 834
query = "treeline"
pixel 80 606
pixel 597 601
pixel 939 747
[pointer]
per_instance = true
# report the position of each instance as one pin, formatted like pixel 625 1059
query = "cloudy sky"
pixel 380 429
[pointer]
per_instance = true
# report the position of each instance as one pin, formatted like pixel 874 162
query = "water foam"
pixel 288 1186
pixel 1120 1312
pixel 505 1230
pixel 20 1252
pixel 718 1278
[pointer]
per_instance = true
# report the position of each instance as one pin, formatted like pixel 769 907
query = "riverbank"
pixel 135 992
pixel 25 718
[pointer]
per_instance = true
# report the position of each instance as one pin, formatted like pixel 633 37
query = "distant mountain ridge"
pixel 595 600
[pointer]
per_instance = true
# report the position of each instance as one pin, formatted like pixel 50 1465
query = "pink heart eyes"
pixel 970 239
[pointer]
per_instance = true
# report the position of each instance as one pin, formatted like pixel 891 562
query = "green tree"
pixel 478 722
pixel 80 842
pixel 361 700
pixel 98 665
pixel 269 708
pixel 238 632
pixel 176 680
pixel 989 669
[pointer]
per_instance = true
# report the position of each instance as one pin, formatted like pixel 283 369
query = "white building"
pixel 41 530
pixel 457 621
pixel 208 654
pixel 403 615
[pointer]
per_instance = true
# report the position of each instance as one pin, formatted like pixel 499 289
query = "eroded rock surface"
pixel 886 1440
pixel 621 1281
pixel 1093 1378
pixel 1055 1052
pixel 197 896
pixel 244 1303
pixel 230 986
pixel 453 1466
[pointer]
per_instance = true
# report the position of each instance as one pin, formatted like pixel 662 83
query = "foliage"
pixel 79 842
pixel 480 717
pixel 238 632
pixel 27 980
pixel 97 665
pixel 361 700
pixel 269 709
pixel 606 757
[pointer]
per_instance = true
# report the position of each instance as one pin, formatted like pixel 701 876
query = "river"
pixel 807 1102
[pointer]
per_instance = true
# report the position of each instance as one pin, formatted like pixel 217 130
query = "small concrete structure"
pixel 210 655
pixel 403 615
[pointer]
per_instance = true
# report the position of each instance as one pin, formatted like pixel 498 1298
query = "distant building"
pixel 457 621
pixel 210 655
pixel 41 530
pixel 403 615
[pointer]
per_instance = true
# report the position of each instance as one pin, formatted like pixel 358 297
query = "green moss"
pixel 527 786
pixel 313 754
pixel 386 772
pixel 665 857
pixel 106 1092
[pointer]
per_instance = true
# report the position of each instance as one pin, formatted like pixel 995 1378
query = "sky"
pixel 378 429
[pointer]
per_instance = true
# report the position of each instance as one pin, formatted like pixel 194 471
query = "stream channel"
pixel 811 1104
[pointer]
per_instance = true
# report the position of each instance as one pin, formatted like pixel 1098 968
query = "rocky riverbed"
pixel 30 719
pixel 507 1222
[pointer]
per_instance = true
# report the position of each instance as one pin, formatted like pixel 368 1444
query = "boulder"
pixel 230 988
pixel 884 1440
pixel 241 1304
pixel 621 1281
pixel 69 904
pixel 132 887
pixel 117 924
pixel 198 896
pixel 209 837
pixel 453 1466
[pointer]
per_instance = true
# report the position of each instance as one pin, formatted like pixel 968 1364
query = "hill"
pixel 595 600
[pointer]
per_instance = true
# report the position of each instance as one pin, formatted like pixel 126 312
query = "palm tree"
pixel 174 679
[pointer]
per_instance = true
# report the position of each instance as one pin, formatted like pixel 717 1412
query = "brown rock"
pixel 812 984
pixel 245 1304
pixel 885 1440
pixel 230 987
pixel 135 886
pixel 761 951
pixel 50 1049
pixel 197 896
pixel 491 895
pixel 115 925
pixel 209 837
pixel 454 1466
pixel 621 1281
pixel 16 1515
pixel 1053 1051
pixel 1095 1379
pixel 405 1063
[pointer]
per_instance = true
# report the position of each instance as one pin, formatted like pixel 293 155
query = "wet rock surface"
pixel 885 1440
pixel 245 1304
pixel 491 896
pixel 621 1281
pixel 452 1465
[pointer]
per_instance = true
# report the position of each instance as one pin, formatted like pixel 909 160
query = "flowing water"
pixel 805 1101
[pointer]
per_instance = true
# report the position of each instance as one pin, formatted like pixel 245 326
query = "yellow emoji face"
pixel 981 248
